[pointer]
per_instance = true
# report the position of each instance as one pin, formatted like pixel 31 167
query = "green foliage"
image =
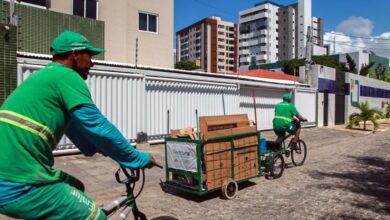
pixel 387 110
pixel 350 66
pixel 380 72
pixel 366 114
pixel 294 64
pixel 186 65
pixel 386 78
pixel 365 68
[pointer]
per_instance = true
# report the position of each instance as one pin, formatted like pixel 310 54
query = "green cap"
pixel 69 41
pixel 287 96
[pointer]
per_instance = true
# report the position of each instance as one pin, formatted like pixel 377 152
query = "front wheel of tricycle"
pixel 229 189
pixel 298 153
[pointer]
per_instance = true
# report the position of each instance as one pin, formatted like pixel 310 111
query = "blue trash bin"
pixel 263 145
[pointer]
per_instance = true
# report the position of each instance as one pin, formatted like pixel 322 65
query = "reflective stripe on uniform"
pixel 28 124
pixel 94 213
pixel 283 118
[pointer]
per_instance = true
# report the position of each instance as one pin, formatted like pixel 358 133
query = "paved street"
pixel 345 177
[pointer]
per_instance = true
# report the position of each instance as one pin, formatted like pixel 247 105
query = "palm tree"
pixel 387 110
pixel 365 68
pixel 366 114
pixel 350 65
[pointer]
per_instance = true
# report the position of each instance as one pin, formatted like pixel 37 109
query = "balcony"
pixel 254 17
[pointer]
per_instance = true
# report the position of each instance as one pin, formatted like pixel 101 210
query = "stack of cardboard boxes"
pixel 219 155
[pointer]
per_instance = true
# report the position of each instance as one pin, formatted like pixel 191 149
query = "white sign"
pixel 182 156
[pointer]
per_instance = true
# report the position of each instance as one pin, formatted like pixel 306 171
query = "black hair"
pixel 61 56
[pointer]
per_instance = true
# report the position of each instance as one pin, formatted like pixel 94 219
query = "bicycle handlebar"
pixel 131 176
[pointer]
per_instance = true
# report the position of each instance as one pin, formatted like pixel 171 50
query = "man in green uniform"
pixel 284 119
pixel 53 101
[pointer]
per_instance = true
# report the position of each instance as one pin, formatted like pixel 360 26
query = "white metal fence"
pixel 138 100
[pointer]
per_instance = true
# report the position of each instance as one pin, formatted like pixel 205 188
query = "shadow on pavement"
pixel 370 178
pixel 208 196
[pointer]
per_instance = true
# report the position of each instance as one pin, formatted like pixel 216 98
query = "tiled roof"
pixel 260 73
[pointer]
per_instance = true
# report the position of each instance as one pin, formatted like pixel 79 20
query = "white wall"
pixel 374 102
pixel 318 72
pixel 138 99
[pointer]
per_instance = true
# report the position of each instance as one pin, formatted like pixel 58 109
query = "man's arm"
pixel 90 127
pixel 296 114
pixel 301 118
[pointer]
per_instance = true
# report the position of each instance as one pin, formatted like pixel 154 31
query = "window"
pixel 147 22
pixel 85 8
pixel 45 3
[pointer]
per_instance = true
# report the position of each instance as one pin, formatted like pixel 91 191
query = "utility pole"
pixel 309 48
pixel 334 44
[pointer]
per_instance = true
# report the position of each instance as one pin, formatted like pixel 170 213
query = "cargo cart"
pixel 220 163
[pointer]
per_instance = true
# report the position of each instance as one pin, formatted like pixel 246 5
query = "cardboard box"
pixel 246 141
pixel 227 132
pixel 215 147
pixel 226 122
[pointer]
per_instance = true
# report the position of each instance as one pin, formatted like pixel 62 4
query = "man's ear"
pixel 75 54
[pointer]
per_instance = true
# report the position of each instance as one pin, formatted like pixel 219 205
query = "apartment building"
pixel 271 32
pixel 211 43
pixel 124 23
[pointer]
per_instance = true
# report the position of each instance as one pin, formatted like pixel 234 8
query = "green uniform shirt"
pixel 284 113
pixel 44 99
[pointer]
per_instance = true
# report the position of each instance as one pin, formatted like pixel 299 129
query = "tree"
pixel 293 65
pixel 366 114
pixel 387 110
pixel 386 78
pixel 365 68
pixel 351 68
pixel 186 65
pixel 380 72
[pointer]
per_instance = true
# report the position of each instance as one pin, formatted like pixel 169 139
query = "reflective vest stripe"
pixel 28 125
pixel 283 118
pixel 94 213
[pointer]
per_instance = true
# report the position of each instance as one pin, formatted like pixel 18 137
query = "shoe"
pixel 293 145
pixel 287 153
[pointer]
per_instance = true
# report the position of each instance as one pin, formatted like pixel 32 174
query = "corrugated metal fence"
pixel 138 100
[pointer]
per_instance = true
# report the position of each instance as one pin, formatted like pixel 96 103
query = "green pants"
pixel 54 201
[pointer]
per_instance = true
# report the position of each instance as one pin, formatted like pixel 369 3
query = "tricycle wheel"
pixel 277 166
pixel 229 189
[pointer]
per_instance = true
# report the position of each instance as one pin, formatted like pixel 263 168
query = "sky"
pixel 354 24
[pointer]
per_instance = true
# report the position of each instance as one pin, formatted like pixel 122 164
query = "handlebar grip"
pixel 158 165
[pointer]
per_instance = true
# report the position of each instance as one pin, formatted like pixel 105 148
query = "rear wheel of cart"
pixel 277 166
pixel 229 189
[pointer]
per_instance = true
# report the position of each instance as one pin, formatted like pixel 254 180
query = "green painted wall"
pixel 378 60
pixel 37 28
pixel 7 61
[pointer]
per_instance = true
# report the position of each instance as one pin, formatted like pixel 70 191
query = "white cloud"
pixel 358 26
pixel 340 42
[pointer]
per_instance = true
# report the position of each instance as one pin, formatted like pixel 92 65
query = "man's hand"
pixel 301 118
pixel 152 161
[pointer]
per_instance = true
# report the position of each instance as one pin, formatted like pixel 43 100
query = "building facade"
pixel 271 32
pixel 363 58
pixel 139 31
pixel 211 43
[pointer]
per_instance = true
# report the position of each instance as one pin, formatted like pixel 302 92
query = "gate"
pixel 340 98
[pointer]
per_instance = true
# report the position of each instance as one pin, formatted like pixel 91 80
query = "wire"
pixel 371 38
pixel 351 45
pixel 215 8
